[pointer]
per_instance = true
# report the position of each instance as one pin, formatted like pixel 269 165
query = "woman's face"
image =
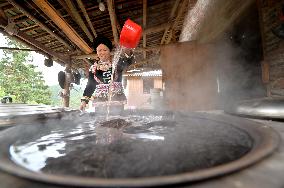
pixel 103 52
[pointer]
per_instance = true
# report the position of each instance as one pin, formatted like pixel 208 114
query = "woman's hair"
pixel 102 40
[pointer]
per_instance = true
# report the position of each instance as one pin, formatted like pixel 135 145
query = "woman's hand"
pixel 127 52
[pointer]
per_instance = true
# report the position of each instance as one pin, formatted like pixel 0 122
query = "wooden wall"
pixel 273 47
pixel 189 75
pixel 135 96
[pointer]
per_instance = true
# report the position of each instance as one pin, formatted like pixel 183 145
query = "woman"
pixel 99 86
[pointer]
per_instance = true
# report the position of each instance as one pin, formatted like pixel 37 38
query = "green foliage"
pixel 20 79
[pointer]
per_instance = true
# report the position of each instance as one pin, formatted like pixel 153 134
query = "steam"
pixel 193 21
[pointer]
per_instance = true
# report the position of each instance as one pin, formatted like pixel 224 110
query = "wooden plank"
pixel 190 82
pixel 265 72
pixel 62 24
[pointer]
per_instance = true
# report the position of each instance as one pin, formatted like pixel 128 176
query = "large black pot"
pixel 262 108
pixel 198 145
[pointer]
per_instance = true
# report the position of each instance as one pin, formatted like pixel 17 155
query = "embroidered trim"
pixel 103 90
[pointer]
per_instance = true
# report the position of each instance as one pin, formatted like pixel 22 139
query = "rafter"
pixel 42 25
pixel 62 24
pixel 17 16
pixel 29 28
pixel 40 35
pixel 32 42
pixel 156 28
pixel 110 6
pixel 171 18
pixel 76 16
pixel 82 7
pixel 181 9
pixel 22 20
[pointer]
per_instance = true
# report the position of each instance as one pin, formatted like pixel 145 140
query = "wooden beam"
pixel 62 24
pixel 170 21
pixel 111 10
pixel 215 18
pixel 81 5
pixel 94 55
pixel 2 14
pixel 182 8
pixel 144 26
pixel 76 16
pixel 87 56
pixel 42 25
pixel 17 49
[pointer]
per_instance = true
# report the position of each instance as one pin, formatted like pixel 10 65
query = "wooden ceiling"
pixel 65 29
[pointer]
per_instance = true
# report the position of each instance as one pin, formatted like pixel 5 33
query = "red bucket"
pixel 130 34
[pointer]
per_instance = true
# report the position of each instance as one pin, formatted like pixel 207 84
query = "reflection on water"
pixel 33 155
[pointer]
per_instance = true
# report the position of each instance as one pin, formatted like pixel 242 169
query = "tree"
pixel 20 79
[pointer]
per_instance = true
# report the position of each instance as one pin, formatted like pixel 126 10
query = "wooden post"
pixel 66 90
